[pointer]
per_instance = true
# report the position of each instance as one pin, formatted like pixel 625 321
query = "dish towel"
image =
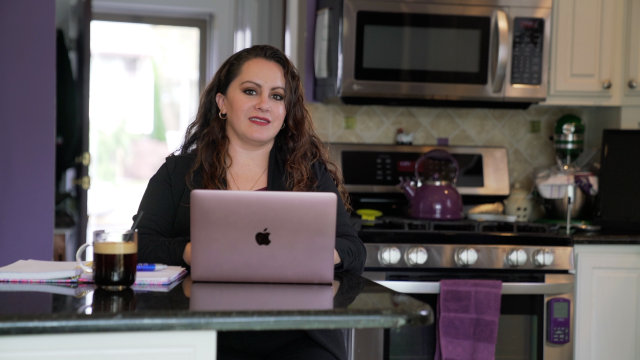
pixel 467 315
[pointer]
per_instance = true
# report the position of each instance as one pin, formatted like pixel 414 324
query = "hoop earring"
pixel 283 124
pixel 223 118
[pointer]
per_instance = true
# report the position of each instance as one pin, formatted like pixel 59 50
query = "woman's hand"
pixel 187 254
pixel 186 286
pixel 335 285
pixel 336 257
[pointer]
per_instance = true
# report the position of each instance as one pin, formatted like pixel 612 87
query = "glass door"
pixel 146 77
pixel 520 332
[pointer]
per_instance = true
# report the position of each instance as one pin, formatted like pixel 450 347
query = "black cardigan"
pixel 164 230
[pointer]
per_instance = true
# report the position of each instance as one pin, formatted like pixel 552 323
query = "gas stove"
pixel 397 243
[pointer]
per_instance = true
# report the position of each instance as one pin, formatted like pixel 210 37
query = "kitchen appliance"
pixel 436 197
pixel 619 189
pixel 409 255
pixel 568 138
pixel 491 53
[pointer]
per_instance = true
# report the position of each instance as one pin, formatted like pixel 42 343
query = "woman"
pixel 252 132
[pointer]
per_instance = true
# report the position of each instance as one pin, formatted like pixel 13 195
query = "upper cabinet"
pixel 632 66
pixel 595 52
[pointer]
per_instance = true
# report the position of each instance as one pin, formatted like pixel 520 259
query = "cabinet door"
pixel 607 310
pixel 584 54
pixel 632 68
pixel 156 345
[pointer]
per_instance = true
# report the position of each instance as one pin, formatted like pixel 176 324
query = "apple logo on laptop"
pixel 262 238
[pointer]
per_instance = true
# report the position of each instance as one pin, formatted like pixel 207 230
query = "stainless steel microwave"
pixel 432 51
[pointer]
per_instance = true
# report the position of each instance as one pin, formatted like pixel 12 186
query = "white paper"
pixel 39 270
pixel 163 276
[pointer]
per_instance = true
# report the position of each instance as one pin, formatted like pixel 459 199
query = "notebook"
pixel 262 236
pixel 67 272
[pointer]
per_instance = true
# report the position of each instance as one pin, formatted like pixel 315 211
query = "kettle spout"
pixel 409 190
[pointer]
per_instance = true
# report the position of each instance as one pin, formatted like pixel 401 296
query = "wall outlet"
pixel 534 126
pixel 349 122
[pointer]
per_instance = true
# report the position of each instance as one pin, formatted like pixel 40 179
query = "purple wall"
pixel 27 129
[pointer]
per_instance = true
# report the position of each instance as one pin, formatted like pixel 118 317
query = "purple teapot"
pixel 436 199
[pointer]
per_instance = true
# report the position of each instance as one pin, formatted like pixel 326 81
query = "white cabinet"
pixel 586 52
pixel 595 53
pixel 607 312
pixel 631 76
pixel 158 345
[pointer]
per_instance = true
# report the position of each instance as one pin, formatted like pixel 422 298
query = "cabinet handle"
pixel 633 84
pixel 84 159
pixel 606 84
pixel 84 182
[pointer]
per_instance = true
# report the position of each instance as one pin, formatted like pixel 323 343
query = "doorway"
pixel 145 80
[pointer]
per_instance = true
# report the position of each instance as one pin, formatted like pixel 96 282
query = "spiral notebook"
pixel 61 272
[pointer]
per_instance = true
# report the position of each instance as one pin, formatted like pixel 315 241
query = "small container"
pixel 519 203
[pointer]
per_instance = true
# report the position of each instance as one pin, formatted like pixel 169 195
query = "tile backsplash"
pixel 512 129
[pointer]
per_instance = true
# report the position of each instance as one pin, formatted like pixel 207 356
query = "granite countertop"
pixel 605 238
pixel 353 302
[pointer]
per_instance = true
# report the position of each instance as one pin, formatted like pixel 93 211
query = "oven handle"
pixel 500 29
pixel 512 288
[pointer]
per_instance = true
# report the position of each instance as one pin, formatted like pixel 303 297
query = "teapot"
pixel 436 199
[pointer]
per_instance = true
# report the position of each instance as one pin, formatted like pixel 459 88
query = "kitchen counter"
pixel 352 302
pixel 604 238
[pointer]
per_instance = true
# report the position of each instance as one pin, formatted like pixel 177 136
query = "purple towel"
pixel 468 312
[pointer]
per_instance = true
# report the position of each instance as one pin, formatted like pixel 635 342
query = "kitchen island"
pixel 71 321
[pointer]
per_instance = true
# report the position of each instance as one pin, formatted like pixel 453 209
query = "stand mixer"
pixel 566 190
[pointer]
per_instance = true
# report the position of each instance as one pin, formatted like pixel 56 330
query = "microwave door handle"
pixel 500 51
pixel 514 288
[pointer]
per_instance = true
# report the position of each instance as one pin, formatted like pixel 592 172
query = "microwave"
pixel 486 53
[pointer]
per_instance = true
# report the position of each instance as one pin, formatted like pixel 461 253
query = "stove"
pixel 397 243
pixel 533 261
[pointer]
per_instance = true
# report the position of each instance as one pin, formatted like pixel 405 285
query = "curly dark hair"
pixel 298 143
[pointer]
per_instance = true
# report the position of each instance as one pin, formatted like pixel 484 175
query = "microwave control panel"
pixel 526 63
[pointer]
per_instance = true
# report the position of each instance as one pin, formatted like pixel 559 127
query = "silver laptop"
pixel 262 236
pixel 248 297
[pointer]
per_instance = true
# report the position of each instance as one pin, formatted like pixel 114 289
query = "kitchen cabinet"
pixel 157 345
pixel 607 309
pixel 631 77
pixel 595 53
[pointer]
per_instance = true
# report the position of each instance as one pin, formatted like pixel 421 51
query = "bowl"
pixel 557 208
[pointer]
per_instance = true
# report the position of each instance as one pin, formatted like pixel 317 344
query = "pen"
pixel 150 267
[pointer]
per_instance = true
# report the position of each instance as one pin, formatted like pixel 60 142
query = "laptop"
pixel 263 236
pixel 253 297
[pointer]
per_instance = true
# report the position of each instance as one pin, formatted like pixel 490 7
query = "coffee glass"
pixel 115 257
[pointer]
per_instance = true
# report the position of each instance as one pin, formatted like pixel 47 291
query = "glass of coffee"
pixel 115 256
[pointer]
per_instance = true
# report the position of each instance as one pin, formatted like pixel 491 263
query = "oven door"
pixel 438 52
pixel 521 327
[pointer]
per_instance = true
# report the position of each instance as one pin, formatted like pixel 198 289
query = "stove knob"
pixel 416 256
pixel 389 255
pixel 543 257
pixel 466 257
pixel 516 257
